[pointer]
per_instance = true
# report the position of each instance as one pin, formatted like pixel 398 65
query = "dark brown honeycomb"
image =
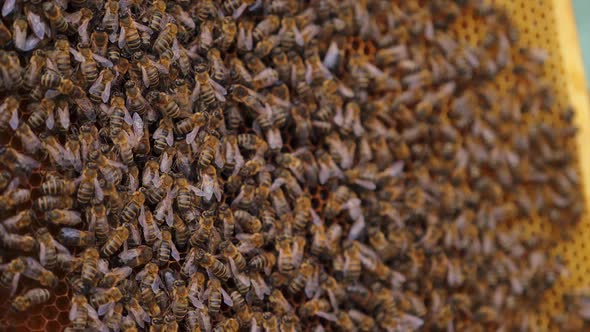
pixel 51 316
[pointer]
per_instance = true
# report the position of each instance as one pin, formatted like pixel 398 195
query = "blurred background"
pixel 582 12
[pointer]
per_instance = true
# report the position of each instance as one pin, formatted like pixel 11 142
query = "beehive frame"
pixel 550 25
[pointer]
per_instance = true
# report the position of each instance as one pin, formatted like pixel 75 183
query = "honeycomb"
pixel 539 27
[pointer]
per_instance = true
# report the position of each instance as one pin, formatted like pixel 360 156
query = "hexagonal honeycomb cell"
pixel 50 316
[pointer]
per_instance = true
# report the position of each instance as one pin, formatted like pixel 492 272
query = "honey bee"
pixel 166 37
pixel 46 203
pixel 17 162
pixel 16 241
pixel 115 241
pixel 99 41
pixel 180 301
pixel 136 256
pixel 11 273
pixel 216 294
pixel 165 104
pixel 37 272
pixel 133 207
pixel 48 248
pixel 63 217
pixel 167 248
pixel 212 264
pixel 265 47
pixel 282 307
pixel 149 72
pixel 30 299
pixel 11 70
pixel 19 221
pixel 89 186
pixel 55 17
pixel 230 252
pixel 229 32
pixel 72 237
pixel 9 113
pixel 105 299
pixel 100 91
pixel 114 276
pixel 266 27
pixel 314 307
pixel 88 62
pixel 301 278
pixel 136 311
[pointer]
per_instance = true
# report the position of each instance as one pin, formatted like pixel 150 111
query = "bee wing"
pixel 240 10
pixel 121 42
pixel 103 309
pixel 312 284
pixel 332 55
pixel 196 92
pixel 219 90
pixel 42 253
pixel 143 28
pixel 174 251
pixel 74 17
pixel 50 122
pixel 94 87
pixel 226 298
pixel 60 248
pixel 260 287
pixel 86 106
pixel 161 68
pixel 36 24
pixel 144 77
pixel 196 302
pixel 327 316
pixel 98 190
pixel 137 123
pixel 165 162
pixel 106 93
pixel 73 311
pixel 92 312
pixel 102 60
pixel 190 137
pixel 170 138
pixel 63 115
pixel 83 31
pixel 13 122
pixel 20 37
pixel 8 7
pixel 299 40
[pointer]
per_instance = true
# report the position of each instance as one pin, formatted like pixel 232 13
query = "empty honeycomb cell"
pixel 52 326
pixel 61 289
pixel 35 322
pixel 50 312
pixel 62 303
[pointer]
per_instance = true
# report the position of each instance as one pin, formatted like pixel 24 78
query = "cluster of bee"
pixel 278 165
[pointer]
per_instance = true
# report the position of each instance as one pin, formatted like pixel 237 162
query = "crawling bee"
pixel 114 243
pixel 11 273
pixel 30 299
pixel 167 248
pixel 16 161
pixel 136 256
pixel 63 217
pixel 212 264
pixel 37 272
